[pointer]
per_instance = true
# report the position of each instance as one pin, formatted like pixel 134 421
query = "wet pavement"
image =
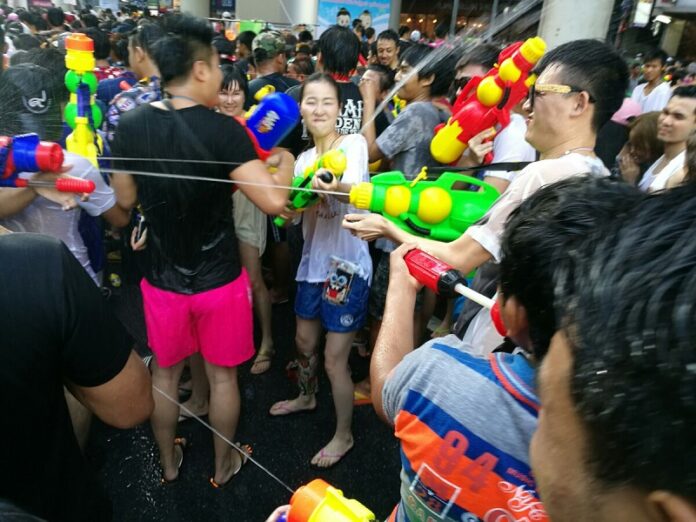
pixel 127 460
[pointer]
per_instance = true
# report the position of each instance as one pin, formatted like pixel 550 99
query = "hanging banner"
pixel 373 13
pixel 641 17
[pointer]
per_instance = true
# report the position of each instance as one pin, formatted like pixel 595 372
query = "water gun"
pixel 26 153
pixel 82 114
pixel 436 209
pixel 444 280
pixel 397 105
pixel 334 161
pixel 320 502
pixel 271 120
pixel 486 102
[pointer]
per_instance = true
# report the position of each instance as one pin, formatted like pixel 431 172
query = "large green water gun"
pixel 440 209
pixel 334 161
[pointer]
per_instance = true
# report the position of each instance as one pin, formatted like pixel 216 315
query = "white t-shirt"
pixel 46 217
pixel 652 182
pixel 526 183
pixel 656 100
pixel 321 224
pixel 510 145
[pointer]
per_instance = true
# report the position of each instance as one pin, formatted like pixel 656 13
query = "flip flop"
pixel 248 450
pixel 263 357
pixel 183 444
pixel 361 399
pixel 337 456
pixel 282 409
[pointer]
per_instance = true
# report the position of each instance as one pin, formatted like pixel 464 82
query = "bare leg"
pixel 224 416
pixel 336 364
pixel 164 417
pixel 306 338
pixel 81 419
pixel 262 305
pixel 200 389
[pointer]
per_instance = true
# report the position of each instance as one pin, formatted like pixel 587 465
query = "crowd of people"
pixel 583 411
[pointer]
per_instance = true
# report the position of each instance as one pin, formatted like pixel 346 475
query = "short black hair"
pixel 655 54
pixel 685 91
pixel 305 36
pixel 389 34
pixel 102 44
pixel 632 329
pixel 55 16
pixel 441 67
pixel 369 32
pixel 89 20
pixel 339 48
pixel 187 39
pixel 594 67
pixel 403 30
pixel 356 22
pixel 485 55
pixel 145 35
pixel 544 231
pixel 386 76
pixel 246 38
pixel 231 74
pixel 24 42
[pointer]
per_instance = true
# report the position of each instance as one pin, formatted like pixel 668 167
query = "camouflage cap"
pixel 268 44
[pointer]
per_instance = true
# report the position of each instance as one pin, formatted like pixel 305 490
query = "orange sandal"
pixel 244 453
pixel 183 444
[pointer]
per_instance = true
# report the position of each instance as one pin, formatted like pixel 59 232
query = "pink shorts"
pixel 218 323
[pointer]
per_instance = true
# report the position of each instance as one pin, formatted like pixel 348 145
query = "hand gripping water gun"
pixel 82 114
pixel 319 502
pixel 487 101
pixel 334 161
pixel 433 209
pixel 26 153
pixel 271 120
pixel 444 280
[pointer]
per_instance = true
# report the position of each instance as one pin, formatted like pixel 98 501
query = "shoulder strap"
pixel 201 149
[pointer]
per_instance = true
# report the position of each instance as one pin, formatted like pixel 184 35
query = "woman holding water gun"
pixel 335 271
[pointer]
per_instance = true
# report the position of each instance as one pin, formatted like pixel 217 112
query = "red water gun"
pixel 486 102
pixel 27 153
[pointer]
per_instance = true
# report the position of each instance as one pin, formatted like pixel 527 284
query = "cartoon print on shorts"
pixel 338 283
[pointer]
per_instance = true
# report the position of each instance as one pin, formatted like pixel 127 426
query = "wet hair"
pixel 442 69
pixel 55 16
pixel 102 45
pixel 655 54
pixel 339 48
pixel 389 35
pixel 232 75
pixel 386 76
pixel 246 38
pixel 325 78
pixel 594 67
pixel 29 102
pixel 543 232
pixel 485 55
pixel 188 39
pixel 53 61
pixel 145 36
pixel 632 329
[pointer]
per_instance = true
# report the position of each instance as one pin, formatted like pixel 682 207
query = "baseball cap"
pixel 267 45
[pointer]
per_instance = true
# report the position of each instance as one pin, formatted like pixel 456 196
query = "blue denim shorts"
pixel 340 314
